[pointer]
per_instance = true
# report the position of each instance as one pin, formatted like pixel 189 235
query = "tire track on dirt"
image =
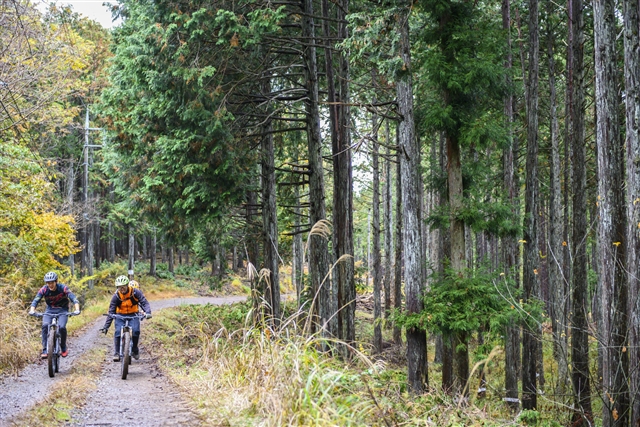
pixel 147 390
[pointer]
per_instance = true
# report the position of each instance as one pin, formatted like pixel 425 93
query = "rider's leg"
pixel 116 340
pixel 135 337
pixel 62 327
pixel 46 322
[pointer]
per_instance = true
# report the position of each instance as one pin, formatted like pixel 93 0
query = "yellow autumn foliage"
pixel 47 63
pixel 32 236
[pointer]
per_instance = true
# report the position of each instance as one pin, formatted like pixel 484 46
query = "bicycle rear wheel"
pixel 126 354
pixel 51 349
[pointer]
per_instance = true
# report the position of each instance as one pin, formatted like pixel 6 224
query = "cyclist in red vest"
pixel 125 302
pixel 57 297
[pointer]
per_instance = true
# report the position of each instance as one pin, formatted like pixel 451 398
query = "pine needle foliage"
pixel 470 301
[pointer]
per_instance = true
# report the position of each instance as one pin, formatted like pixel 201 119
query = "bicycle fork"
pixel 47 330
pixel 119 342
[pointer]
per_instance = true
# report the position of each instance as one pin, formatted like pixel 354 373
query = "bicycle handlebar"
pixel 123 316
pixel 56 315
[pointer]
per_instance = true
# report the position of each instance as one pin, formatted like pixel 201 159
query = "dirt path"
pixel 145 399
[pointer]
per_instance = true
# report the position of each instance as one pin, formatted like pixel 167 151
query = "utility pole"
pixel 87 221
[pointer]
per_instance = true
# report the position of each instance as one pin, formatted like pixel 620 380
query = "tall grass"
pixel 18 346
pixel 237 374
pixel 256 376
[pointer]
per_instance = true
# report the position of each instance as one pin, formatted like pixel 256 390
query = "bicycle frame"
pixel 126 342
pixel 53 341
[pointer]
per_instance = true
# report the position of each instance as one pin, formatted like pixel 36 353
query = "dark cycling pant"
pixel 62 326
pixel 134 322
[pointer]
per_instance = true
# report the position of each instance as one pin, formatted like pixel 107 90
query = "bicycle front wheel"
pixel 56 354
pixel 126 354
pixel 51 349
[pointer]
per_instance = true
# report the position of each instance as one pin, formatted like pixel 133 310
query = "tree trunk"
pixel 388 250
pixel 412 228
pixel 234 258
pixel 222 255
pixel 375 212
pixel 339 117
pixel 532 332
pixel 90 251
pixel 632 103
pixel 171 259
pixel 98 244
pixel 70 190
pixel 458 255
pixel 611 222
pixel 253 238
pixel 111 245
pixel 130 265
pixel 318 244
pixel 297 267
pixel 397 275
pixel 216 264
pixel 153 253
pixel 579 297
pixel 145 247
pixel 271 289
pixel 558 291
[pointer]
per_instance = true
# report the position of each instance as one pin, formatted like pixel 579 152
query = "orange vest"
pixel 128 303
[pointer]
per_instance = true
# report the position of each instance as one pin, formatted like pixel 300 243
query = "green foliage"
pixel 166 116
pixel 361 272
pixel 247 30
pixel 466 302
pixel 214 283
pixel 162 271
pixel 374 40
pixel 306 295
pixel 496 218
pixel 529 417
pixel 464 67
pixel 187 270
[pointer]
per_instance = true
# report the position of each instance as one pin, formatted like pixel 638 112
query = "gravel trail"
pixel 145 399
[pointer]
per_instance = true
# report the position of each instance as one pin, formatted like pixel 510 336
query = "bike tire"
pixel 51 349
pixel 131 351
pixel 126 354
pixel 56 354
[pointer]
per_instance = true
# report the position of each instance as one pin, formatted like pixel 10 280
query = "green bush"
pixel 187 270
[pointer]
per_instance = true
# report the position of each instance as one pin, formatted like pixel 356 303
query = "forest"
pixel 469 168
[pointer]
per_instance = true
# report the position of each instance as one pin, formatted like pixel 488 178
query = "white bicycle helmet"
pixel 122 281
pixel 50 277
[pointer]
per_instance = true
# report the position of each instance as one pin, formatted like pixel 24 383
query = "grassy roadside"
pixel 69 394
pixel 237 375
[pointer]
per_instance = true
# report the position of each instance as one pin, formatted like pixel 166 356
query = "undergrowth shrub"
pixel 187 270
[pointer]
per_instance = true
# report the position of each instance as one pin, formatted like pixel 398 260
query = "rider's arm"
pixel 112 310
pixel 142 301
pixel 37 299
pixel 74 300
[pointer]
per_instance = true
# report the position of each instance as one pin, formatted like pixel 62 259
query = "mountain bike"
pixel 126 342
pixel 53 341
